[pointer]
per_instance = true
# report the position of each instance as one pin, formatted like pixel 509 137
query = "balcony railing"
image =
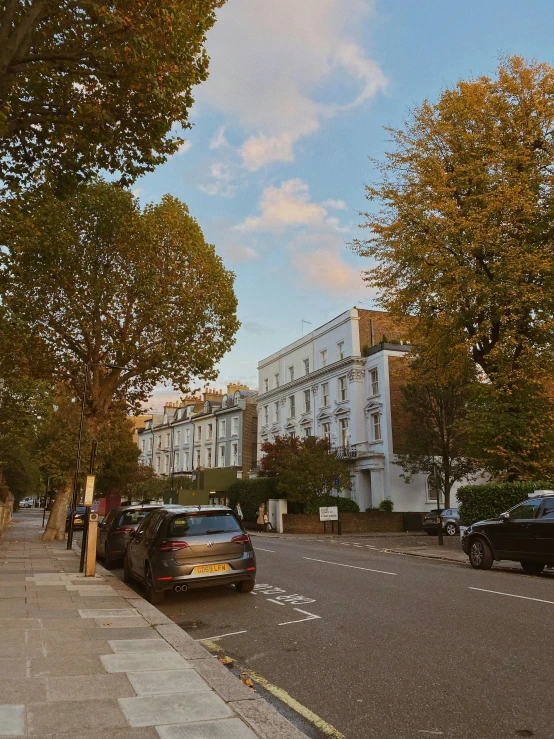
pixel 344 452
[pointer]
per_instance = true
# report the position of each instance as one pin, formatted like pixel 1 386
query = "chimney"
pixel 232 387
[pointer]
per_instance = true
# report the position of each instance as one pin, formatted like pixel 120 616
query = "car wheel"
pixel 450 529
pixel 152 595
pixel 127 576
pixel 480 554
pixel 245 586
pixel 108 561
pixel 533 568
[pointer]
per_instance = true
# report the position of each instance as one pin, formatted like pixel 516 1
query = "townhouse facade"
pixel 343 382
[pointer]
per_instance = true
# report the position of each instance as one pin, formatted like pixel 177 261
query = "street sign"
pixel 337 482
pixel 329 513
pixel 89 490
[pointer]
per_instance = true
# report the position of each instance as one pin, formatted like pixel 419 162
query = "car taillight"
pixel 172 546
pixel 242 539
pixel 117 532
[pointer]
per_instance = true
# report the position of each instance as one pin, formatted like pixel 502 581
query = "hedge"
pixel 252 493
pixel 345 505
pixel 481 502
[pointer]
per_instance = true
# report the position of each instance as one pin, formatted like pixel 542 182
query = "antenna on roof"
pixel 303 322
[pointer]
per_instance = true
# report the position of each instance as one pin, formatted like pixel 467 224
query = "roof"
pixel 196 508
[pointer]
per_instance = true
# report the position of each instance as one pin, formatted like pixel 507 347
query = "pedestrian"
pixel 266 522
pixel 260 519
pixel 238 511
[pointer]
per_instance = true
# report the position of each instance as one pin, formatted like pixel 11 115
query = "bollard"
pixel 90 567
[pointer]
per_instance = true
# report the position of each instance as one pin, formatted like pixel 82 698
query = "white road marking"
pixel 311 617
pixel 357 545
pixel 344 544
pixel 265 550
pixel 511 595
pixel 271 600
pixel 353 567
pixel 211 638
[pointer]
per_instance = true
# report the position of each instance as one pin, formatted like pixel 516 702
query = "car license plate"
pixel 210 569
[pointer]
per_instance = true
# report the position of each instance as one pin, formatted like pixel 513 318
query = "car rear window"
pixel 199 524
pixel 132 518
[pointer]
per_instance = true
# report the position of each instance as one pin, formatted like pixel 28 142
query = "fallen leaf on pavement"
pixel 226 660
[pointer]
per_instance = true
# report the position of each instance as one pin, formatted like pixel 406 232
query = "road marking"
pixel 353 567
pixel 511 595
pixel 271 600
pixel 291 702
pixel 265 550
pixel 344 544
pixel 311 617
pixel 211 638
pixel 357 545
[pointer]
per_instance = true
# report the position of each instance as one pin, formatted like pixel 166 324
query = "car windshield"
pixel 200 524
pixel 133 517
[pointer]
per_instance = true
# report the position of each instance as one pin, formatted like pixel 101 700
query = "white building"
pixel 342 382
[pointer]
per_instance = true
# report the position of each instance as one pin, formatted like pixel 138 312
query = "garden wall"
pixel 352 523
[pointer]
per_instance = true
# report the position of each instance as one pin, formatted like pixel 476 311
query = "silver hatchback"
pixel 190 547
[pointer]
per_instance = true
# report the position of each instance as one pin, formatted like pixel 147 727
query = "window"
pixel 209 431
pixel 202 524
pixel 548 510
pixel 327 432
pixel 158 464
pixel 186 465
pixel 307 433
pixel 167 439
pixel 142 445
pixel 222 428
pixel 376 426
pixel 187 436
pixel 292 409
pixel 291 374
pixel 266 414
pixel 198 459
pixel 199 433
pixel 340 347
pixel 325 394
pixel 374 381
pixel 222 456
pixel 176 461
pixel 276 412
pixel 307 401
pixel 209 462
pixel 323 357
pixel 178 438
pixel 166 465
pixel 526 510
pixel 235 460
pixel 276 380
pixel 306 366
pixel 150 440
pixel 342 388
pixel 235 426
pixel 343 431
pixel 266 385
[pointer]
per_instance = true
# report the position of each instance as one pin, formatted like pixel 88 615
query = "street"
pixel 387 646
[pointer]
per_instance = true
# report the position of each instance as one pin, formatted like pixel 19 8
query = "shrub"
pixel 480 502
pixel 345 505
pixel 252 493
pixel 386 506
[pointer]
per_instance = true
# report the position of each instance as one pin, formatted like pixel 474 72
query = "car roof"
pixel 198 508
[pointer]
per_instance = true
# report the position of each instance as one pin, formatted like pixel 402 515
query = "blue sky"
pixel 275 165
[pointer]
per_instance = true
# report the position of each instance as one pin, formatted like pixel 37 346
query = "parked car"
pixel 78 518
pixel 177 548
pixel 524 534
pixel 450 522
pixel 26 503
pixel 114 530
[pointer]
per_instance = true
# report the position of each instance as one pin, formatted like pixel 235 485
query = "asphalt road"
pixel 389 646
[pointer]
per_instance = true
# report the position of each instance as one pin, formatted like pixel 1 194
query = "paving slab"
pixel 108 613
pixel 182 642
pixel 14 666
pixel 147 732
pixel 146 632
pixel 12 720
pixel 20 624
pixel 167 681
pixel 121 623
pixel 59 664
pixel 74 716
pixel 223 681
pixel 228 728
pixel 82 688
pixel 139 646
pixel 175 708
pixel 265 721
pixel 143 662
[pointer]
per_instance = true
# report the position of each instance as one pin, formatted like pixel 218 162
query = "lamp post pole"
pixel 437 487
pixel 77 464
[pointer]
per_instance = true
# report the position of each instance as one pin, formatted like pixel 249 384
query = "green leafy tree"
pixel 86 86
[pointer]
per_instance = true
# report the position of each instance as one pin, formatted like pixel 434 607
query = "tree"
pixel 437 396
pixel 133 298
pixel 305 468
pixel 464 229
pixel 88 86
pixel 276 453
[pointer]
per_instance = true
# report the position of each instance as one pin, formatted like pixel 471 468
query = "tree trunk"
pixel 55 528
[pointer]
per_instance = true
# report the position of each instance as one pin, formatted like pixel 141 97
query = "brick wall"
pixel 352 523
pixel 400 417
pixel 384 324
pixel 249 435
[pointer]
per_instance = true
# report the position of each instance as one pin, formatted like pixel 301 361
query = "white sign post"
pixel 330 513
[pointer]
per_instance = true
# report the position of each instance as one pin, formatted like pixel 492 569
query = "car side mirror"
pixel 505 516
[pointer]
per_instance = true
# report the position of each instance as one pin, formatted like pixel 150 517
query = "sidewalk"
pixel 87 658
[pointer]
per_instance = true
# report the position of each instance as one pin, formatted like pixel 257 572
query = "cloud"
pixel 271 61
pixel 238 253
pixel 221 182
pixel 219 139
pixel 290 205
pixel 184 147
pixel 325 270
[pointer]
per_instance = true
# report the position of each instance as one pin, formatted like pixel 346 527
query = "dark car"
pixel 78 518
pixel 524 534
pixel 113 532
pixel 190 547
pixel 450 522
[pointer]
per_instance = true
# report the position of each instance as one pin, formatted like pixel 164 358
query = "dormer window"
pixel 206 407
pixel 237 396
pixel 224 401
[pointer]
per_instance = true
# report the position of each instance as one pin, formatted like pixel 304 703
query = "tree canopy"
pixel 86 85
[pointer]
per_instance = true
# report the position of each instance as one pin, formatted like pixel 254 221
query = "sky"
pixel 283 132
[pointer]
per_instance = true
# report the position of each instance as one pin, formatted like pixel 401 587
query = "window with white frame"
pixel 198 459
pixel 374 381
pixel 199 433
pixel 376 426
pixel 158 464
pixel 342 388
pixel 292 435
pixel 166 465
pixel 291 373
pixel 340 347
pixel 307 433
pixel 222 428
pixel 276 380
pixel 323 358
pixel 142 445
pixel 235 426
pixel 276 412
pixel 167 440
pixel 292 407
pixel 343 427
pixel 187 436
pixel 266 414
pixel 307 401
pixel 150 442
pixel 327 431
pixel 222 456
pixel 266 385
pixel 209 462
pixel 186 464
pixel 210 428
pixel 176 461
pixel 178 438
pixel 306 366
pixel 235 455
pixel 325 394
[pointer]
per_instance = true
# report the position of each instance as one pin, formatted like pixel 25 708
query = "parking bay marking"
pixel 211 638
pixel 311 617
pixel 511 595
pixel 352 567
pixel 265 550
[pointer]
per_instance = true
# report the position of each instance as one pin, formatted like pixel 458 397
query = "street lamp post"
pixel 437 488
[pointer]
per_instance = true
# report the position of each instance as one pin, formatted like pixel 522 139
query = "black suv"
pixel 524 534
